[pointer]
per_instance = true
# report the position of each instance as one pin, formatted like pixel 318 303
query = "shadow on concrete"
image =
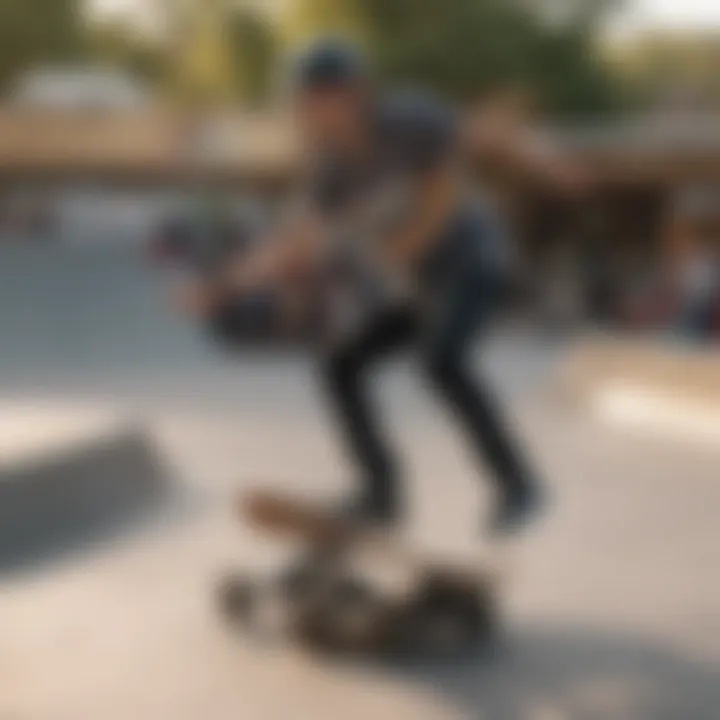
pixel 57 507
pixel 575 675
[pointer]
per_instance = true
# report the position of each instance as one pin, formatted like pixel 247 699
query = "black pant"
pixel 463 297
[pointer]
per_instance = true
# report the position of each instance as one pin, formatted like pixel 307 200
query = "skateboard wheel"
pixel 301 582
pixel 450 618
pixel 236 598
pixel 344 618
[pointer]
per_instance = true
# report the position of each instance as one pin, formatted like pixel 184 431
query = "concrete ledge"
pixel 692 373
pixel 659 413
pixel 652 387
pixel 69 476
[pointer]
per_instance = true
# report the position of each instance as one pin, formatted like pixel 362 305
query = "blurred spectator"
pixel 699 283
pixel 698 277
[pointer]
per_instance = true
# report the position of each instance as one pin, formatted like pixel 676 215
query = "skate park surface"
pixel 612 606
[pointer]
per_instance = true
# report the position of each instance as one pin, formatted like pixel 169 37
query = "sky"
pixel 642 14
pixel 671 13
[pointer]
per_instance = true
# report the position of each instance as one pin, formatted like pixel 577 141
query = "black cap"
pixel 329 63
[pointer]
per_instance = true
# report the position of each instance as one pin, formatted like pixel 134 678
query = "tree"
pixel 673 68
pixel 117 43
pixel 203 66
pixel 218 50
pixel 470 47
pixel 589 13
pixel 253 47
pixel 572 77
pixel 35 32
pixel 305 19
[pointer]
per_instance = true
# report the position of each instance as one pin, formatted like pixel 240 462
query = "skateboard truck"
pixel 328 606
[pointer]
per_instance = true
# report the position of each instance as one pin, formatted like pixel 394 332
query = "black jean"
pixel 463 299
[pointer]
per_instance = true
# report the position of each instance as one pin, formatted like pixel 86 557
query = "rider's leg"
pixel 463 310
pixel 345 373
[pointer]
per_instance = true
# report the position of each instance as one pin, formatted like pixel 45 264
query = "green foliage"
pixel 467 48
pixel 34 32
pixel 570 76
pixel 220 51
pixel 462 51
pixel 253 48
pixel 119 44
pixel 305 19
pixel 462 48
pixel 673 67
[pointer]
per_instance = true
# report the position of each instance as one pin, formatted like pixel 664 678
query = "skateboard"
pixel 332 601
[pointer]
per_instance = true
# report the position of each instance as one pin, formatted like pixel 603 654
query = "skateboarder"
pixel 403 149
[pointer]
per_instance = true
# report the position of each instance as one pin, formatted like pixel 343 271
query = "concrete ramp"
pixel 69 476
pixel 657 387
pixel 689 372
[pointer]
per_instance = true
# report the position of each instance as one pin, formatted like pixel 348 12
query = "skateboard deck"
pixel 423 606
pixel 320 531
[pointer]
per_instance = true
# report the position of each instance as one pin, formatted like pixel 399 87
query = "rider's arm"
pixel 296 244
pixel 291 246
pixel 301 236
pixel 436 195
pixel 505 142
